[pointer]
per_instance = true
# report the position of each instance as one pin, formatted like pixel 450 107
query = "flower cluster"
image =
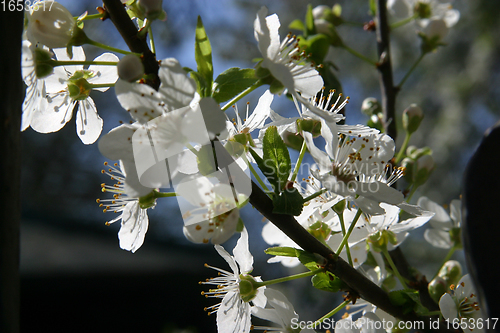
pixel 181 143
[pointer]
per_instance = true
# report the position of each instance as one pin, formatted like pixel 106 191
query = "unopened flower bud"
pixel 437 288
pixel 130 68
pixel 422 169
pixel 371 106
pixel 436 28
pixel 51 24
pixel 451 272
pixel 152 9
pixel 319 12
pixel 412 117
pixel 322 26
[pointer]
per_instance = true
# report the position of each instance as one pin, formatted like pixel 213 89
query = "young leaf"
pixel 308 259
pixel 297 25
pixel 231 82
pixel 203 56
pixel 288 202
pixel 284 251
pixel 266 170
pixel 326 281
pixel 276 159
pixel 310 28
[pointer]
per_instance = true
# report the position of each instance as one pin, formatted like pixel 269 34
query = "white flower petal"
pixel 448 307
pixel 176 87
pixel 88 122
pixel 142 102
pixel 104 74
pixel 242 254
pixel 233 314
pixel 438 238
pixel 133 227
pixel 117 144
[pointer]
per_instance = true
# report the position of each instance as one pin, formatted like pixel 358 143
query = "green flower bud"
pixel 437 288
pixel 422 169
pixel 422 10
pixel 412 117
pixel 432 35
pixel 451 272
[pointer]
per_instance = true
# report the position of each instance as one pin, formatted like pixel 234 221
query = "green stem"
pixel 102 85
pixel 342 225
pixel 164 194
pixel 359 55
pixel 151 40
pixel 402 150
pixel 412 192
pixel 91 17
pixel 331 313
pixel 394 268
pixel 109 48
pixel 317 194
pixel 448 256
pixel 351 228
pixel 407 75
pixel 407 20
pixel 144 29
pixel 303 150
pixel 291 277
pixel 56 63
pixel 242 94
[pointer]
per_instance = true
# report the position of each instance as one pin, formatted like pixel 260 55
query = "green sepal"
pixel 148 200
pixel 203 57
pixel 297 25
pixel 326 281
pixel 262 72
pixel 43 63
pixel 231 82
pixel 288 202
pixel 201 85
pixel 316 46
pixel 283 251
pixel 276 159
pixel 276 87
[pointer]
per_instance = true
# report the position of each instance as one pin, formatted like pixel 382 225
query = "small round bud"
pixel 130 68
pixel 371 106
pixel 412 117
pixel 319 12
pixel 451 272
pixel 437 288
pixel 51 24
pixel 322 26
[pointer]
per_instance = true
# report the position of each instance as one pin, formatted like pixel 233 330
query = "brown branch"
pixel 129 33
pixel 12 91
pixel 384 66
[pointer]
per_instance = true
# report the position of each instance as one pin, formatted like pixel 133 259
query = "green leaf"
pixel 318 47
pixel 297 25
pixel 310 28
pixel 308 259
pixel 326 281
pixel 203 56
pixel 408 300
pixel 266 170
pixel 231 82
pixel 201 84
pixel 288 202
pixel 276 159
pixel 284 251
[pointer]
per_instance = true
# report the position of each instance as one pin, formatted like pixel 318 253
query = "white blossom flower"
pixel 234 310
pixel 69 88
pixel 125 202
pixel 461 305
pixel 355 168
pixel 284 60
pixel 216 213
pixel 443 226
pixel 424 11
pixel 370 226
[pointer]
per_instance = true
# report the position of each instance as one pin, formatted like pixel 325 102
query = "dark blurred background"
pixel 74 275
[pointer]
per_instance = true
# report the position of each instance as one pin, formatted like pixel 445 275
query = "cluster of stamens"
pixel 117 203
pixel 225 282
pixel 326 102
